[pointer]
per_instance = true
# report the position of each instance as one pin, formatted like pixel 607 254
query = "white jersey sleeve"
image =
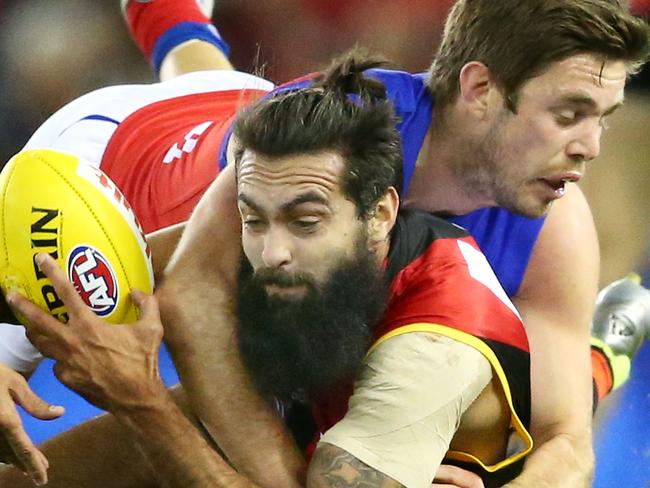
pixel 16 351
pixel 84 126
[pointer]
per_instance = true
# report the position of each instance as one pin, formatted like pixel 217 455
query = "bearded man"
pixel 392 329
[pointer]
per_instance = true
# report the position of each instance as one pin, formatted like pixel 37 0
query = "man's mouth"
pixel 273 289
pixel 557 183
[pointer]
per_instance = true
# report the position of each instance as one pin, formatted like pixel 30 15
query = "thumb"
pixel 147 305
pixel 34 405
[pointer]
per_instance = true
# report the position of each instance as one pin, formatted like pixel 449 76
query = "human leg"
pixel 176 36
pixel 96 453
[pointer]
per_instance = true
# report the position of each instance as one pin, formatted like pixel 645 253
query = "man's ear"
pixel 384 216
pixel 476 87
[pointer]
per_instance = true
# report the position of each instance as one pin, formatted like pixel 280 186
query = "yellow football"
pixel 58 204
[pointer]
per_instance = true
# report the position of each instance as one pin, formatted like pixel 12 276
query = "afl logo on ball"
pixel 92 276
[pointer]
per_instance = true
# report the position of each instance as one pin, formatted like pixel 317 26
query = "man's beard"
pixel 485 177
pixel 478 169
pixel 293 347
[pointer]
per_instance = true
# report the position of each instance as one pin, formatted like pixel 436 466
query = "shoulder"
pixel 406 90
pixel 419 236
pixel 564 265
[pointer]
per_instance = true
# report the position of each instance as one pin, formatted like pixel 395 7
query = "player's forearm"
pixel 562 462
pixel 242 424
pixel 162 244
pixel 556 303
pixel 177 451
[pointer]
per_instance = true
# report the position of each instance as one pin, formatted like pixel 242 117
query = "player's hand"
pixel 15 445
pixel 453 477
pixel 112 366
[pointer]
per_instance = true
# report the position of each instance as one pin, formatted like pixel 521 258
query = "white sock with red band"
pixel 159 26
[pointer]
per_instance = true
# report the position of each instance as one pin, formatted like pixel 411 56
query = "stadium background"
pixel 52 51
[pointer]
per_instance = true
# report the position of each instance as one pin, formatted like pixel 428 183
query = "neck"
pixel 435 186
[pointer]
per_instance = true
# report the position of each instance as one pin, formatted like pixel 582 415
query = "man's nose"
pixel 586 145
pixel 277 250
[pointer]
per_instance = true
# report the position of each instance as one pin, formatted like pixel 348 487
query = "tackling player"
pixel 478 149
pixel 330 269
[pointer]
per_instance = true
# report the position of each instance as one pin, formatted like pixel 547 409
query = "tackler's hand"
pixel 15 445
pixel 112 366
pixel 453 477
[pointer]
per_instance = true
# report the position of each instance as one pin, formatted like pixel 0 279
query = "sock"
pixel 602 374
pixel 610 371
pixel 158 27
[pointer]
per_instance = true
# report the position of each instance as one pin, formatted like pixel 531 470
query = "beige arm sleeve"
pixel 407 405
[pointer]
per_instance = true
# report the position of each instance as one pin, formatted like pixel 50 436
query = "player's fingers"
pixel 62 285
pixel 53 346
pixel 44 460
pixel 46 463
pixel 456 477
pixel 29 459
pixel 34 464
pixel 23 395
pixel 147 305
pixel 149 327
pixel 39 322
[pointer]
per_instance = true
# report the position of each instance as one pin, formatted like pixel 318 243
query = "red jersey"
pixel 440 282
pixel 165 155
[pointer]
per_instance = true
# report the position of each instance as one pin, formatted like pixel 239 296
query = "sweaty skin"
pixel 556 310
pixel 572 117
pixel 295 217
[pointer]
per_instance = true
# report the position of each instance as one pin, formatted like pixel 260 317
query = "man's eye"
pixel 566 117
pixel 306 224
pixel 252 223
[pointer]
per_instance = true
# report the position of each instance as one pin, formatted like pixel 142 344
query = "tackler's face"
pixel 296 218
pixel 556 129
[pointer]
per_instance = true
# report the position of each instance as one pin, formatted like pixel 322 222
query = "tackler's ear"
pixel 476 87
pixel 383 219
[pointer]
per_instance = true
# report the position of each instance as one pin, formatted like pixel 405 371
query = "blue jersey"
pixel 506 239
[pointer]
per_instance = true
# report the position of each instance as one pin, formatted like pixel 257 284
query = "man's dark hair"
pixel 342 111
pixel 519 39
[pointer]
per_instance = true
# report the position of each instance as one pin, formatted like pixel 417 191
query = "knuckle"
pixel 17 380
pixel 60 372
pixel 157 333
pixel 24 454
pixel 71 345
pixel 65 376
pixel 150 332
pixel 73 342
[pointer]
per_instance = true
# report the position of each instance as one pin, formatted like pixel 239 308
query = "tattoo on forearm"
pixel 332 467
